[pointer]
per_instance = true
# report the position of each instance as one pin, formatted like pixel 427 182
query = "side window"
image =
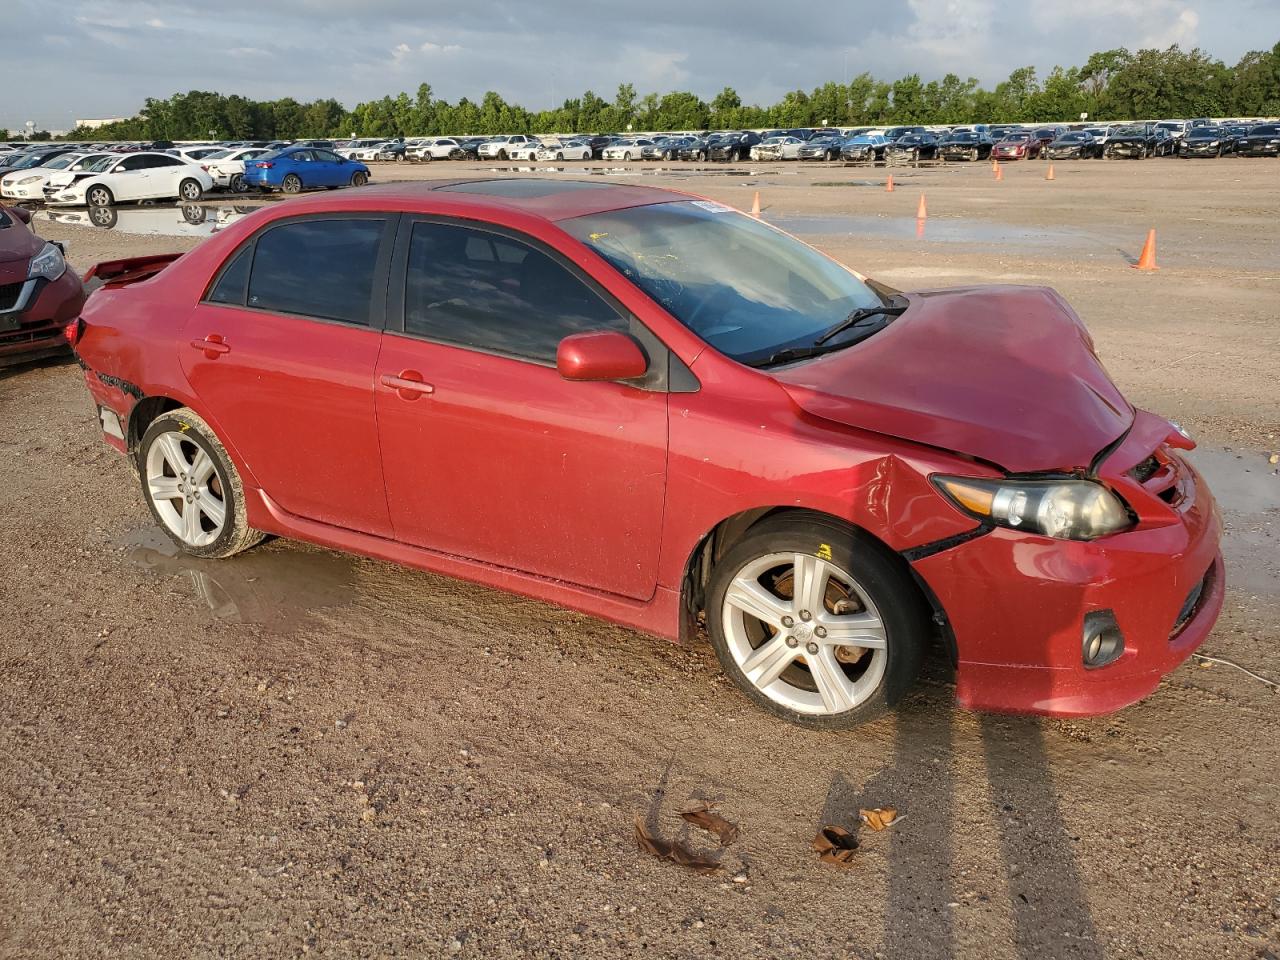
pixel 302 156
pixel 230 286
pixel 317 268
pixel 166 162
pixel 486 291
pixel 326 156
pixel 132 163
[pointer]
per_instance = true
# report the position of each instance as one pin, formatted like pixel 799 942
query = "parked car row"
pixel 75 177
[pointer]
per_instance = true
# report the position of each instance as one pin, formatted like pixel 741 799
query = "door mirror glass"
pixel 603 355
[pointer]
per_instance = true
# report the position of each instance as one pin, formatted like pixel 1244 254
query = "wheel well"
pixel 729 531
pixel 143 413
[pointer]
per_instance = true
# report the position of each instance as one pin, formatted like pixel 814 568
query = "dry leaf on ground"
pixel 879 818
pixel 835 845
pixel 703 815
pixel 672 850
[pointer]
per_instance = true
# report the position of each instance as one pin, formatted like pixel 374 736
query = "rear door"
pixel 495 457
pixel 281 353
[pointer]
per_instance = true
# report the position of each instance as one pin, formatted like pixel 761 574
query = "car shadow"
pixel 18 367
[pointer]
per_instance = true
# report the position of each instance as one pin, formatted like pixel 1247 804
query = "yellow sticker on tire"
pixel 824 551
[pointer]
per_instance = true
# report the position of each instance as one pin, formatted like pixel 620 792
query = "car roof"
pixel 544 198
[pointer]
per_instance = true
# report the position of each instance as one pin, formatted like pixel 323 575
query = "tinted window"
pixel 133 163
pixel 493 293
pixel 326 156
pixel 166 162
pixel 318 268
pixel 230 286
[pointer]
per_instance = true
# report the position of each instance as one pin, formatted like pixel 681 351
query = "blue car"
pixel 294 169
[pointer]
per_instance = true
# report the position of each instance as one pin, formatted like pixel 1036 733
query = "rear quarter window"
pixel 317 268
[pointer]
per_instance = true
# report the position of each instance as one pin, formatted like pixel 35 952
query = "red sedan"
pixel 657 410
pixel 1018 145
pixel 39 293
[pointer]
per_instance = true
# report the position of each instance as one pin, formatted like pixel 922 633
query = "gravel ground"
pixel 299 752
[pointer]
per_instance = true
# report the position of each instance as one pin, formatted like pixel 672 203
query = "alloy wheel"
pixel 188 494
pixel 805 633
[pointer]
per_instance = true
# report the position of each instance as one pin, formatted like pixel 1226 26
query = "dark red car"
pixel 39 293
pixel 655 409
pixel 1018 145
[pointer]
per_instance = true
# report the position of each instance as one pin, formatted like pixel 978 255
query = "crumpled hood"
pixel 1007 374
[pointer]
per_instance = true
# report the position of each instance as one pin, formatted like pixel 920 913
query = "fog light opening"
pixel 1102 641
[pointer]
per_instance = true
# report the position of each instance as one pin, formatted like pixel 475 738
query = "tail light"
pixel 204 167
pixel 73 330
pixel 264 165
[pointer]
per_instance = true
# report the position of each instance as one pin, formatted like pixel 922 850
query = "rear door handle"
pixel 213 346
pixel 408 384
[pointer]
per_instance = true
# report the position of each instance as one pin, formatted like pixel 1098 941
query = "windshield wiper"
pixel 857 317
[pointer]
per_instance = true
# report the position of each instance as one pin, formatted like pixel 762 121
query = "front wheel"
pixel 291 184
pixel 816 623
pixel 359 178
pixel 192 488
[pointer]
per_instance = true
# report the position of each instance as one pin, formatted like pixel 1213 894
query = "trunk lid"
pixel 1005 374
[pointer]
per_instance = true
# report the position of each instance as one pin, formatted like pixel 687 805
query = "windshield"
pixel 1017 137
pixel 1072 137
pixel 103 164
pixel 745 288
pixel 963 137
pixel 1204 133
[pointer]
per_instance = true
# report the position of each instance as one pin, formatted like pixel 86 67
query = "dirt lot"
pixel 302 752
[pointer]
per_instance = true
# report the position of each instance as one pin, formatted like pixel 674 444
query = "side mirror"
pixel 603 355
pixel 22 213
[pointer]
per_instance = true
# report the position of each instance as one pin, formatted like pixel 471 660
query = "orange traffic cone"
pixel 1049 173
pixel 999 172
pixel 994 165
pixel 888 184
pixel 755 206
pixel 921 211
pixel 1147 259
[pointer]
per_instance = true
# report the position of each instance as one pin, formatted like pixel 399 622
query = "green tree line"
pixel 1111 85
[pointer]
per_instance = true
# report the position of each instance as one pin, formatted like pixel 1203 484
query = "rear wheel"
pixel 99 196
pixel 816 623
pixel 192 487
pixel 237 183
pixel 190 190
pixel 700 156
pixel 292 183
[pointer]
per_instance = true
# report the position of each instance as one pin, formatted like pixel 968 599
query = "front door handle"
pixel 213 346
pixel 408 384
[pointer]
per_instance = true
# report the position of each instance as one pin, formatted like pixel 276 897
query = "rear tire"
pixel 292 183
pixel 179 454
pixel 861 591
pixel 99 196
pixel 237 183
pixel 190 191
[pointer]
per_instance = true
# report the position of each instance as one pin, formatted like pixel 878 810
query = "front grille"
pixel 1191 605
pixel 9 294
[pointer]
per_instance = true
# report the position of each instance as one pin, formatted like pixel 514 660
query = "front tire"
pixel 359 178
pixel 192 486
pixel 292 183
pixel 815 622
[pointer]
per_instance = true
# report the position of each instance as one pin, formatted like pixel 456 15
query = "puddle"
pixel 279 585
pixel 184 220
pixel 634 171
pixel 1247 489
pixel 940 229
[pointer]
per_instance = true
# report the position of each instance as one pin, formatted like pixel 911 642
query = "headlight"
pixel 25 180
pixel 48 263
pixel 1062 509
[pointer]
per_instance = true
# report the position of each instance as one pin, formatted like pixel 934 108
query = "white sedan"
pixel 227 166
pixel 524 151
pixel 77 170
pixel 136 176
pixel 626 150
pixel 29 184
pixel 564 150
pixel 436 148
pixel 777 148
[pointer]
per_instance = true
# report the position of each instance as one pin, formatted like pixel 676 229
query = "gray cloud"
pixel 103 57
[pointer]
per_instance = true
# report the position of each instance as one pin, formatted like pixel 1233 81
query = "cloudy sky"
pixel 99 58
